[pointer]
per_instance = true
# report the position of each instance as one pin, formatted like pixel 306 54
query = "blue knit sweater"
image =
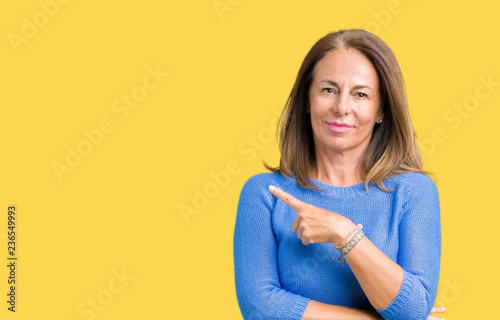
pixel 276 275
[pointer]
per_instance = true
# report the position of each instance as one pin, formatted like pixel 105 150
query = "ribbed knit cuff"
pixel 298 308
pixel 398 304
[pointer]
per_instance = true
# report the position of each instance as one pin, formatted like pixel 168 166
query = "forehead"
pixel 346 65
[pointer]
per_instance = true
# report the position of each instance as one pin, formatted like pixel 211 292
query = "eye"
pixel 328 90
pixel 361 95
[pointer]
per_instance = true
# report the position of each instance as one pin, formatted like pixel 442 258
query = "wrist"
pixel 343 228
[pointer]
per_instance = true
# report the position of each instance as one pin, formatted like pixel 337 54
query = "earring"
pixel 379 121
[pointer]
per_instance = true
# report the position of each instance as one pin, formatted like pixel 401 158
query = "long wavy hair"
pixel 392 149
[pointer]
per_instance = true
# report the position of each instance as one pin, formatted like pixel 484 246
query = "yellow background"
pixel 118 210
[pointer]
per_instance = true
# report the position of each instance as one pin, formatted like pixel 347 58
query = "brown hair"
pixel 392 149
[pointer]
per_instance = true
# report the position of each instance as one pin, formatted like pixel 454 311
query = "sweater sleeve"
pixel 258 288
pixel 419 253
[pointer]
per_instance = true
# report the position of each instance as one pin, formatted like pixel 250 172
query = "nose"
pixel 341 105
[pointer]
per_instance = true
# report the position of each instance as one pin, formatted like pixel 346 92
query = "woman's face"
pixel 344 102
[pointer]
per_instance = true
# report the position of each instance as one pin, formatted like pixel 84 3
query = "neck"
pixel 342 169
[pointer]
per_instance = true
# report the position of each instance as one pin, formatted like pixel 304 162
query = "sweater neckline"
pixel 354 189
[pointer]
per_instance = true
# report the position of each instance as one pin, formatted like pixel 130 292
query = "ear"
pixel 380 112
pixel 380 118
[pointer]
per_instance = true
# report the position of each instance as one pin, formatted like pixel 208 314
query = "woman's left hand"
pixel 313 224
pixel 436 309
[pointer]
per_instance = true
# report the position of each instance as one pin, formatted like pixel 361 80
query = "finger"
pixel 437 309
pixel 296 223
pixel 434 318
pixel 290 200
pixel 306 242
pixel 299 232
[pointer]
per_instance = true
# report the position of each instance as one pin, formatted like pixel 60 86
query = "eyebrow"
pixel 359 86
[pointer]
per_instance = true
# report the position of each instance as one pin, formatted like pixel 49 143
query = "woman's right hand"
pixel 436 309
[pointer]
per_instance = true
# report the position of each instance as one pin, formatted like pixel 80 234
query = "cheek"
pixel 317 108
pixel 317 117
pixel 368 115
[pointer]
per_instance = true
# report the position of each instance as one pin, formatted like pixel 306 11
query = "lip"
pixel 338 127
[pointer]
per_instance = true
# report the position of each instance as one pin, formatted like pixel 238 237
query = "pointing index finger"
pixel 290 200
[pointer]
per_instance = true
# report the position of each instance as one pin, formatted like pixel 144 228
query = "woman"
pixel 350 184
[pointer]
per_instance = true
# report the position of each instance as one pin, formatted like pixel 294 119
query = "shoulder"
pixel 255 194
pixel 262 181
pixel 256 188
pixel 411 182
pixel 413 186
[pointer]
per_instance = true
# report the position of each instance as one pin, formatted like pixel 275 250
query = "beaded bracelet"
pixel 354 241
pixel 341 244
pixel 344 250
